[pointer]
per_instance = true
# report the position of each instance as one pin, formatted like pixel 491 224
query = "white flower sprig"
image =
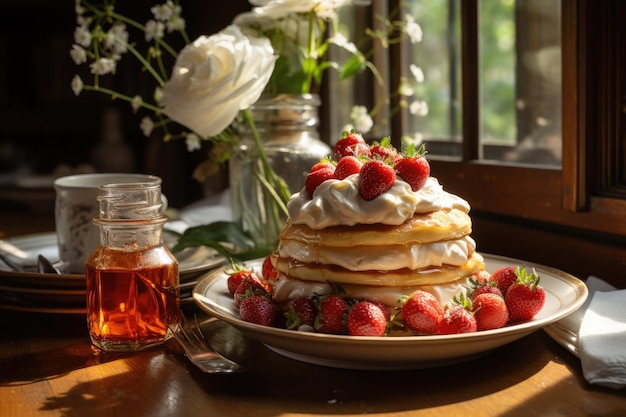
pixel 101 39
pixel 304 32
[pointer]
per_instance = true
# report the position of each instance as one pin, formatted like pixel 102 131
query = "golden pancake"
pixel 383 258
pixel 287 288
pixel 396 278
pixel 422 228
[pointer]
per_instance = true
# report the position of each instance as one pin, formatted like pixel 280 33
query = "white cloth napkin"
pixel 602 335
pixel 603 339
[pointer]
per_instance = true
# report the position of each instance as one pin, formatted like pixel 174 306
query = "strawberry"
pixel 351 144
pixel 259 310
pixel 376 177
pixel 366 319
pixel 479 286
pixel 504 278
pixel 422 312
pixel 235 276
pixel 268 271
pixel 250 285
pixel 490 311
pixel 323 163
pixel 347 166
pixel 457 319
pixel 318 176
pixel 383 307
pixel 384 151
pixel 300 310
pixel 524 298
pixel 413 168
pixel 331 317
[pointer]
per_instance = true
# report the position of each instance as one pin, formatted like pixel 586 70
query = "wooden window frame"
pixel 563 197
pixel 573 218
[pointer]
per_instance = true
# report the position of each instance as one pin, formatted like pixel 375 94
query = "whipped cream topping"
pixel 337 202
pixel 383 258
pixel 286 288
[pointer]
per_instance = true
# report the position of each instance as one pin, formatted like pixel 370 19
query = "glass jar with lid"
pixel 132 277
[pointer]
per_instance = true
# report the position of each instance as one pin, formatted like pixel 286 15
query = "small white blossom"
pixel 116 39
pixel 416 140
pixel 361 119
pixel 417 72
pixel 77 85
pixel 158 94
pixel 136 103
pixel 348 128
pixel 147 126
pixel 176 23
pixel 78 54
pixel 103 66
pixel 162 12
pixel 193 142
pixel 419 108
pixel 405 89
pixel 413 29
pixel 154 30
pixel 78 8
pixel 82 36
pixel 340 40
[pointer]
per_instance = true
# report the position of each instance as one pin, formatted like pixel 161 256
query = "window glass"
pixel 438 58
pixel 520 79
pixel 520 50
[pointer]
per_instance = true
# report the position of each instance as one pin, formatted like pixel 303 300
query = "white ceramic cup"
pixel 75 207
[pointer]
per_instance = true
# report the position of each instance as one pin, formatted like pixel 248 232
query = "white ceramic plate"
pixel 563 336
pixel 192 261
pixel 564 294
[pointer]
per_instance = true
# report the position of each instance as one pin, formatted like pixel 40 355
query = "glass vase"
pixel 287 126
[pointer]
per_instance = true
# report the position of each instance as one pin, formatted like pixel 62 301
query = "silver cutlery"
pixel 44 266
pixel 197 349
pixel 10 263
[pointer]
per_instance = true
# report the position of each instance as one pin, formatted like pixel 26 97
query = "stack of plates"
pixel 65 293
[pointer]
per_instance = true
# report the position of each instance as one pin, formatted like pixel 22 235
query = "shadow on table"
pixel 38 346
pixel 289 386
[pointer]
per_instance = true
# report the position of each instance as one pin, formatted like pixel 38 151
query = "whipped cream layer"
pixel 337 202
pixel 287 288
pixel 383 258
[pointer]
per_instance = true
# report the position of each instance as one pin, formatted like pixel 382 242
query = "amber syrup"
pixel 130 307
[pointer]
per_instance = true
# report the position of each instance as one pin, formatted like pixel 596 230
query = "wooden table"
pixel 49 368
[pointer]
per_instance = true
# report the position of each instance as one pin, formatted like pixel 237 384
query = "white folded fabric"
pixel 573 321
pixel 602 339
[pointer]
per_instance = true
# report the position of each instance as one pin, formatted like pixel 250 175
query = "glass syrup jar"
pixel 132 277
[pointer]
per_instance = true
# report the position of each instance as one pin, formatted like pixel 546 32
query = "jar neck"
pixel 131 235
pixel 285 112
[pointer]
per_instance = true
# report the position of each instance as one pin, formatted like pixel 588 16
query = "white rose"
pixel 215 77
pixel 276 9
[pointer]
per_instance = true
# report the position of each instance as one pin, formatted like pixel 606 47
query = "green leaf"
pixel 353 66
pixel 215 235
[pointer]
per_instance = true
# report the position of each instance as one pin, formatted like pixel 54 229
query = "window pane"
pixel 438 57
pixel 520 79
pixel 520 58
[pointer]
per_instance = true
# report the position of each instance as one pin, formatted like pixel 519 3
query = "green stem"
pixel 273 183
pixel 146 65
pixel 115 95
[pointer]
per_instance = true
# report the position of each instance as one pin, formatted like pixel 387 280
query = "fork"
pixel 197 349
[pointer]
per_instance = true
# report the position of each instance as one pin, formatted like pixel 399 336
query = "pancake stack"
pixel 382 249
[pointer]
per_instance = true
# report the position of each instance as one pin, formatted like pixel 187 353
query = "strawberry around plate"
pixel 564 295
